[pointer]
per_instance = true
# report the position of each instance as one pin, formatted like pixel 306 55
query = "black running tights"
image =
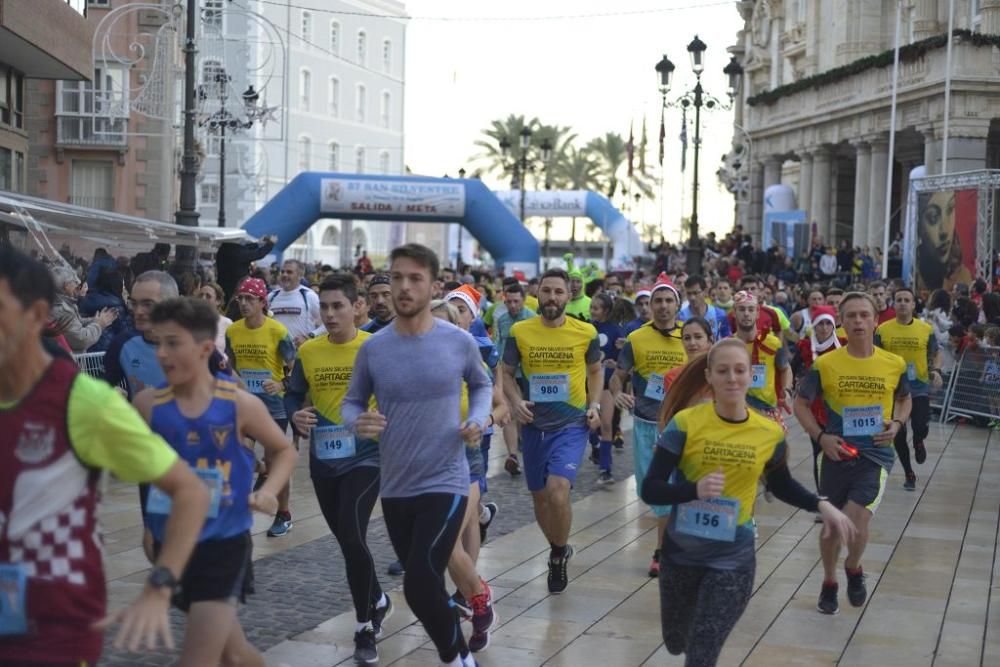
pixel 920 418
pixel 423 530
pixel 699 606
pixel 347 501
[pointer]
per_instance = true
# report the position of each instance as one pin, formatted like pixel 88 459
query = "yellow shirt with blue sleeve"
pixel 916 344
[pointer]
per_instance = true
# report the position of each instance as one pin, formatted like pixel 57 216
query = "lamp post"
pixel 187 212
pixel 520 167
pixel 458 262
pixel 222 120
pixel 698 98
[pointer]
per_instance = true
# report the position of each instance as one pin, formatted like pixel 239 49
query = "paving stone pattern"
pixel 300 588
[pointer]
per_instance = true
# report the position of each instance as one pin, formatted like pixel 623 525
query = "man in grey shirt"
pixel 415 369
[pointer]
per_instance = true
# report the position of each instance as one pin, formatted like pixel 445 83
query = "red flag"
pixel 663 136
pixel 630 149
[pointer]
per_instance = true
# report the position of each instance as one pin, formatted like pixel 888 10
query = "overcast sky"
pixel 593 73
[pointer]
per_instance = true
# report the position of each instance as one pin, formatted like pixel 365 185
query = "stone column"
pixel 925 23
pixel 805 181
pixel 819 207
pixel 877 195
pixel 931 152
pixel 990 10
pixel 772 172
pixel 862 188
pixel 755 220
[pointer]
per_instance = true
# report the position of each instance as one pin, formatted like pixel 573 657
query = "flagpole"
pixel 947 88
pixel 892 143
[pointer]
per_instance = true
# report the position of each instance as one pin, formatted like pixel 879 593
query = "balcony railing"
pixel 90 117
pixel 88 201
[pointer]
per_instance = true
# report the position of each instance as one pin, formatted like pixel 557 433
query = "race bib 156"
pixel 712 519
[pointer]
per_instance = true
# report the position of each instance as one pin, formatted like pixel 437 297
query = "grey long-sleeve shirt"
pixel 417 383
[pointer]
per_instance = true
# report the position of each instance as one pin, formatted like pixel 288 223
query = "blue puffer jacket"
pixel 94 302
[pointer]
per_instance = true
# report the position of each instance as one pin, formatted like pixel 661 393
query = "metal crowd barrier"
pixel 91 363
pixel 974 389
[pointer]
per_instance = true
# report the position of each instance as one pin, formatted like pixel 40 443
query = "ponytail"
pixel 686 390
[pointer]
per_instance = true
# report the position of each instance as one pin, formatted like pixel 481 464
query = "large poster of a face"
pixel 946 239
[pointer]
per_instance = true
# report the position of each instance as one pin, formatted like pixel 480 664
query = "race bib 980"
pixel 549 388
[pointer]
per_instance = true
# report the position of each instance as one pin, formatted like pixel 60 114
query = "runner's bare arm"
pixel 623 400
pixel 255 422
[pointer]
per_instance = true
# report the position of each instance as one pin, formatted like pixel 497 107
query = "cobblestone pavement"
pixel 300 588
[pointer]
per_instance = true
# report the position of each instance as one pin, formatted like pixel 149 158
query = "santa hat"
pixel 519 275
pixel 643 291
pixel 467 294
pixel 663 282
pixel 820 313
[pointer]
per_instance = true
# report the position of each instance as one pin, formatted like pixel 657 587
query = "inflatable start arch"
pixel 311 196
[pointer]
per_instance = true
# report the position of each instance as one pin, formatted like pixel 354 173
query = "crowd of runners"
pixel 396 385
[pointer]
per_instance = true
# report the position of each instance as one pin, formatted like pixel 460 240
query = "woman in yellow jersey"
pixel 707 462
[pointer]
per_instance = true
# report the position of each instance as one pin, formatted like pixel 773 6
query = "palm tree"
pixel 491 158
pixel 611 151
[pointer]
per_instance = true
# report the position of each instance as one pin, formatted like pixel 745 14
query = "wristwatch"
pixel 161 577
pixel 596 406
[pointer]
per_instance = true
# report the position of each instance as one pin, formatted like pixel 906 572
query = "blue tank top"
pixel 210 444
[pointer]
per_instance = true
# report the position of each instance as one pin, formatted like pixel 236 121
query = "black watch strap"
pixel 161 577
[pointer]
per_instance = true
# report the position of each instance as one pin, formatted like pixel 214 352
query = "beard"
pixel 552 311
pixel 409 308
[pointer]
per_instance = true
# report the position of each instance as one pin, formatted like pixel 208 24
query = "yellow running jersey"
pixel 554 361
pixel 327 369
pixel 916 344
pixel 704 443
pixel 767 356
pixel 651 354
pixel 858 395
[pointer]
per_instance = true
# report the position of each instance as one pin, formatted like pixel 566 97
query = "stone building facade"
pixel 816 104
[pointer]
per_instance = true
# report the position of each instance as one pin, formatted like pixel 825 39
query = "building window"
pixel 213 144
pixel 334 151
pixel 383 162
pixel 331 236
pixel 362 47
pixel 307 28
pixel 386 109
pixel 211 14
pixel 305 89
pixel 11 97
pixel 335 38
pixel 209 193
pixel 359 238
pixel 362 103
pixel 6 167
pixel 359 160
pixel 387 56
pixel 305 151
pixel 99 3
pixel 213 79
pixel 20 185
pixel 976 17
pixel 93 112
pixel 91 184
pixel 802 13
pixel 333 97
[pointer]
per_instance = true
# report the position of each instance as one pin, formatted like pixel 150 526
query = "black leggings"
pixel 920 418
pixel 699 607
pixel 346 502
pixel 423 530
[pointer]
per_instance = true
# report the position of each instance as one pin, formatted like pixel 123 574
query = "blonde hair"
pixel 445 307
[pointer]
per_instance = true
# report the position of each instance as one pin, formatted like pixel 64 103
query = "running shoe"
pixel 911 482
pixel 919 451
pixel 282 524
pixel 654 565
pixel 828 599
pixel 365 652
pixel 857 592
pixel 558 571
pixel 486 518
pixel 605 478
pixel 396 569
pixel 619 440
pixel 380 615
pixel 483 619
pixel 461 606
pixel 512 465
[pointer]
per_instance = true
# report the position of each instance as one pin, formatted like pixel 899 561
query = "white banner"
pixel 354 197
pixel 548 203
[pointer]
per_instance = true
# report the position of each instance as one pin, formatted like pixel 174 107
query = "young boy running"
pixel 204 418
